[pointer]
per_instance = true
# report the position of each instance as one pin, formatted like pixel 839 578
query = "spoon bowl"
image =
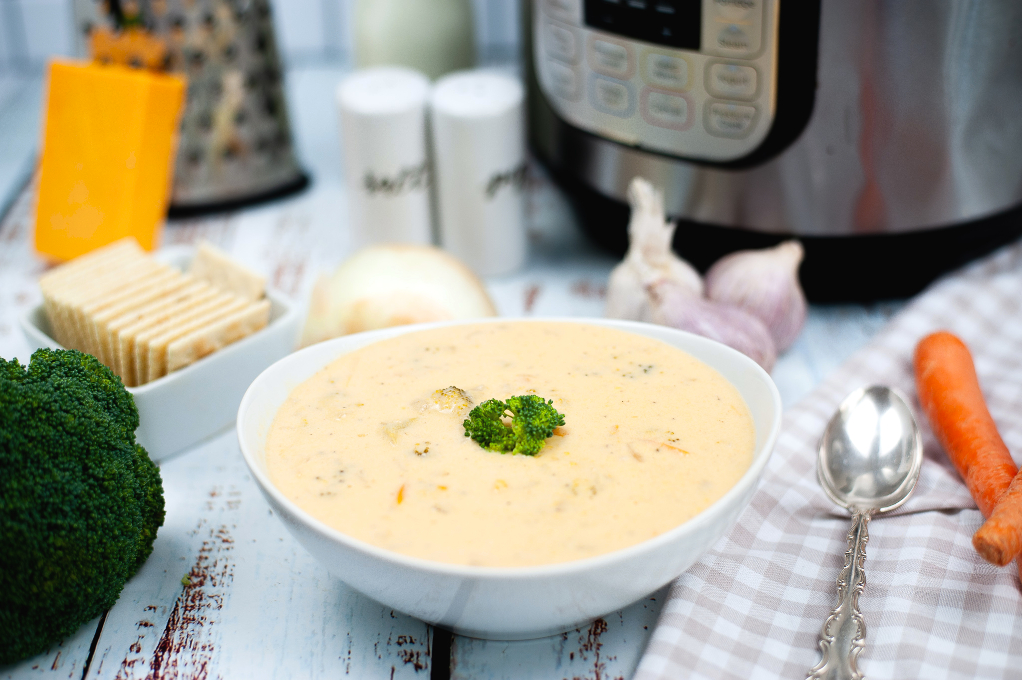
pixel 869 461
pixel 871 451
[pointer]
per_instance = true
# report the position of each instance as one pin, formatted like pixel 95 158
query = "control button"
pixel 729 120
pixel 611 58
pixel 665 109
pixel 738 10
pixel 565 10
pixel 563 80
pixel 732 81
pixel 666 71
pixel 561 44
pixel 733 38
pixel 611 96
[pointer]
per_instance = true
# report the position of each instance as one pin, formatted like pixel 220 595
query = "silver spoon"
pixel 869 461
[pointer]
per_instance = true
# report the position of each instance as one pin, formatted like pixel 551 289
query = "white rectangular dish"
pixel 189 405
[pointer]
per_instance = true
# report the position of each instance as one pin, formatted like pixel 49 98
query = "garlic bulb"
pixel 725 323
pixel 765 283
pixel 392 285
pixel 649 259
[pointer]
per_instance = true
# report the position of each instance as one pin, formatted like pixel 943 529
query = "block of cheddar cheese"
pixel 108 148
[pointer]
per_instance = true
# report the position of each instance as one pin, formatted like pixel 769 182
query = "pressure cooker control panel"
pixel 688 78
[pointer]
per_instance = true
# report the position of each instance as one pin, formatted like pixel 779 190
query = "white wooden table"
pixel 227 592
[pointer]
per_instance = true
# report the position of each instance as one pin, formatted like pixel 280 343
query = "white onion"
pixel 392 285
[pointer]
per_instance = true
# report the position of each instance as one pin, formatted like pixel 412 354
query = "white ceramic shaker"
pixel 432 36
pixel 479 159
pixel 386 166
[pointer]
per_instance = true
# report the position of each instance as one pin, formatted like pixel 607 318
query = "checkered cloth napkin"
pixel 753 606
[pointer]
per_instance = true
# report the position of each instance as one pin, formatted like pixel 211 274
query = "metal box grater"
pixel 235 145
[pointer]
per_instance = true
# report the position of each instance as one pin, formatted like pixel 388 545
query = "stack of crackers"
pixel 145 319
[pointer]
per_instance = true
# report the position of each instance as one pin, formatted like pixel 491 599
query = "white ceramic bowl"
pixel 520 602
pixel 186 406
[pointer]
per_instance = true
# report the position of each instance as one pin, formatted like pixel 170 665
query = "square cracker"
pixel 115 297
pixel 55 284
pixel 214 266
pixel 68 301
pixel 140 344
pixel 158 288
pixel 112 326
pixel 126 248
pixel 82 309
pixel 216 335
pixel 125 330
pixel 154 365
pixel 83 270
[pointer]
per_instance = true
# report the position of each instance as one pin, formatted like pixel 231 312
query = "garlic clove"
pixel 649 259
pixel 725 323
pixel 764 283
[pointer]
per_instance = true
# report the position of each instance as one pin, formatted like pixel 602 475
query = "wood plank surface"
pixel 66 659
pixel 607 649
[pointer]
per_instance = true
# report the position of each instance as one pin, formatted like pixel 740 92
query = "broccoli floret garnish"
pixel 533 419
pixel 80 500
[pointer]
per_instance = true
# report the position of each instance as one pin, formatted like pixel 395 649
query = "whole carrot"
pixel 950 395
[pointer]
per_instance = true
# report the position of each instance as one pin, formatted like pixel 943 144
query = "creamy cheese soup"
pixel 369 446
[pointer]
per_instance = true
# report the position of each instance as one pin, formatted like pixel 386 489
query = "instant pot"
pixel 885 134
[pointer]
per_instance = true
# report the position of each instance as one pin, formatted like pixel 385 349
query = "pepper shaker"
pixel 480 163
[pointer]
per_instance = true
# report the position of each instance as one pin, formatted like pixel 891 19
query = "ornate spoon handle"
pixel 844 632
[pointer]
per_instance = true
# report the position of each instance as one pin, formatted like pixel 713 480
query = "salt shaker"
pixel 383 131
pixel 480 166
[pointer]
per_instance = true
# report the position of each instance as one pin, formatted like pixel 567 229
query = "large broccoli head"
pixel 80 501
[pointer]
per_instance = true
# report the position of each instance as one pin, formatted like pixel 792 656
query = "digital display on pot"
pixel 675 23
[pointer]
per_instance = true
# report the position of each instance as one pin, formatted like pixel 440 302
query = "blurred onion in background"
pixel 431 36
